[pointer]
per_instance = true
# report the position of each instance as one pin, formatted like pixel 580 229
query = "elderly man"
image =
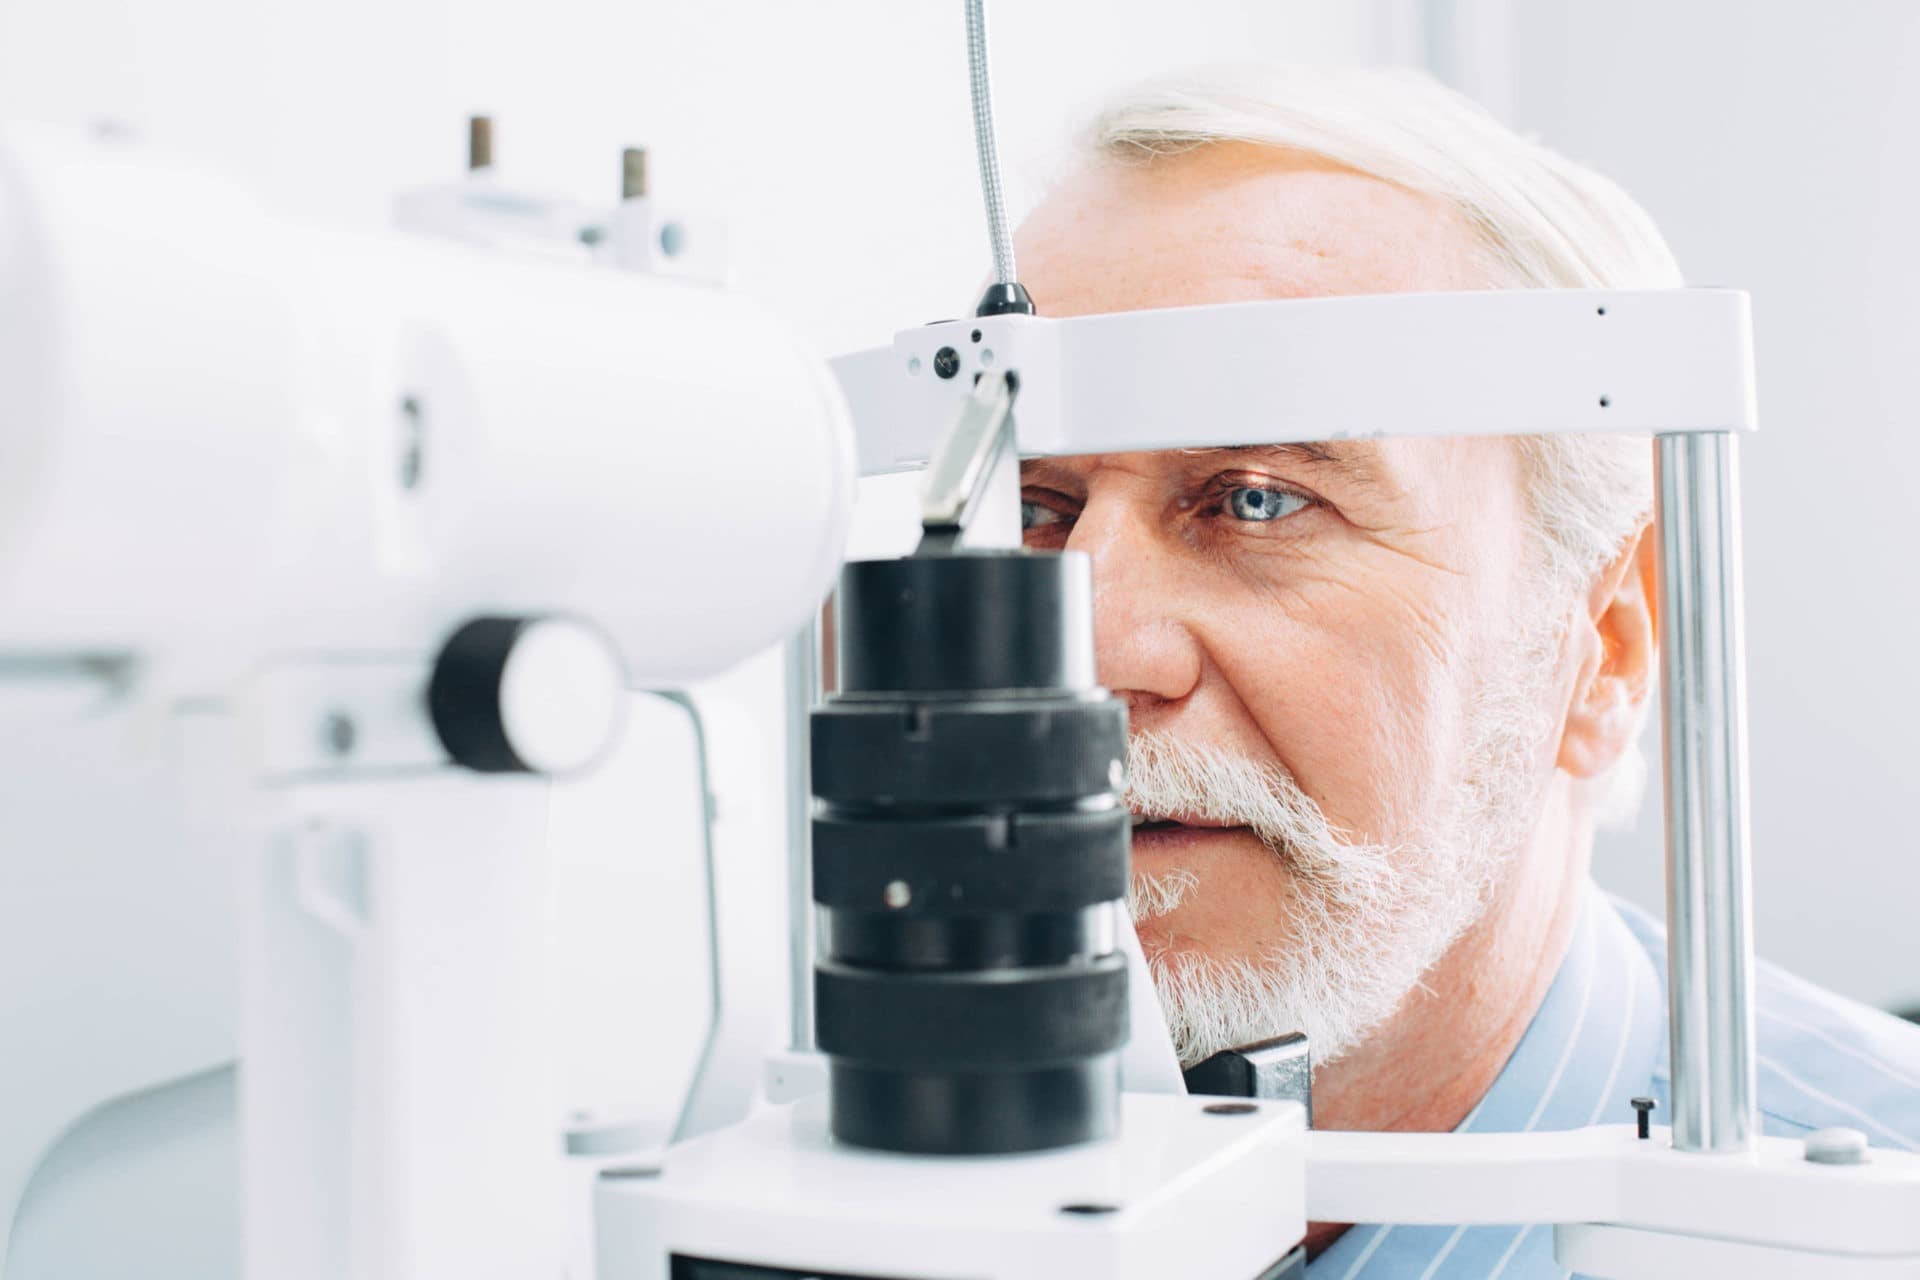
pixel 1382 692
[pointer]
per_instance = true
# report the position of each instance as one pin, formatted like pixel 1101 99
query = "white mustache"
pixel 1167 775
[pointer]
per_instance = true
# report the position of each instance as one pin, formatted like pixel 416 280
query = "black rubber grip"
pixel 964 865
pixel 1003 753
pixel 998 1018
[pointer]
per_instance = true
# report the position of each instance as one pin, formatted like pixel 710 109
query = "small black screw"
pixel 1089 1210
pixel 479 142
pixel 412 445
pixel 976 335
pixel 340 733
pixel 1230 1109
pixel 633 173
pixel 1604 402
pixel 1643 1108
pixel 946 362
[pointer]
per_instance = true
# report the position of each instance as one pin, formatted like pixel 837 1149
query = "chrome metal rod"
pixel 1703 709
pixel 802 692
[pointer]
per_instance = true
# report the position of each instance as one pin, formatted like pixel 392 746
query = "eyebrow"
pixel 1355 463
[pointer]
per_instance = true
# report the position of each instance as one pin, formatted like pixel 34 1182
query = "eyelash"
pixel 1213 504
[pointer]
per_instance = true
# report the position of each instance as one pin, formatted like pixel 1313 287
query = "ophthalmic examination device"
pixel 378 531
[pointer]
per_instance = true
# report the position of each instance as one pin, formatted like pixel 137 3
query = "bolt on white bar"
pixel 1703 708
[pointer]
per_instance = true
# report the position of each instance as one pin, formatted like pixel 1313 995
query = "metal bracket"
pixel 1280 1069
pixel 969 457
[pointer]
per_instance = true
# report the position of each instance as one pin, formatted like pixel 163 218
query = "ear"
pixel 1619 646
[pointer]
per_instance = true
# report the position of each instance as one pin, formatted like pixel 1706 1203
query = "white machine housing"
pixel 253 474
pixel 230 435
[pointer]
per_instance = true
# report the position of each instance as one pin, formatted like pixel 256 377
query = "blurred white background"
pixel 1777 144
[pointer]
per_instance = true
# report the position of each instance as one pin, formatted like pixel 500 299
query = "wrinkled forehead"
pixel 1234 222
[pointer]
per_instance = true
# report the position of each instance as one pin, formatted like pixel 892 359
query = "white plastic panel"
pixel 1772 1195
pixel 259 436
pixel 1192 1194
pixel 1495 362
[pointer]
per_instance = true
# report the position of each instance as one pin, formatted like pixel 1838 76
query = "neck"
pixel 1432 1062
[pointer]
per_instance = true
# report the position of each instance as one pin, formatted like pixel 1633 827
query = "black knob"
pixel 1643 1108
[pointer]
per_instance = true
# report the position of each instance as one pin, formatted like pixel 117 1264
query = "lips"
pixel 1154 820
pixel 1158 835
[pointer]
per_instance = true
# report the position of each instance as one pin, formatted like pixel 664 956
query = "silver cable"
pixel 984 145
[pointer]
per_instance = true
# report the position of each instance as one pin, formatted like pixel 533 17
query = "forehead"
pixel 1233 222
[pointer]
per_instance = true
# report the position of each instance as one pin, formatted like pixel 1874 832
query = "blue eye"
pixel 1262 505
pixel 1035 516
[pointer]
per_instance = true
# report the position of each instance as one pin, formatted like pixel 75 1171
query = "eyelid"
pixel 1058 508
pixel 1227 481
pixel 1052 499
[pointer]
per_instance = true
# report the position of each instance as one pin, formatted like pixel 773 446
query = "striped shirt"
pixel 1600 1038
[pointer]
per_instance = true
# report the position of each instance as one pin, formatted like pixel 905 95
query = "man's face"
pixel 1346 637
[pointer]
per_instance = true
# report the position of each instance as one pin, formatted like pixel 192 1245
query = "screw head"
pixel 1230 1108
pixel 339 733
pixel 1089 1210
pixel 897 894
pixel 946 362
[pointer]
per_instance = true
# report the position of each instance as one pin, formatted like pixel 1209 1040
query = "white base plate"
pixel 1194 1194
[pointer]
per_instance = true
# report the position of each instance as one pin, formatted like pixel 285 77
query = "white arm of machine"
pixel 1495 362
pixel 1627 1207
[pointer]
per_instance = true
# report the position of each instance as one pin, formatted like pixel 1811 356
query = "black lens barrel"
pixel 968 849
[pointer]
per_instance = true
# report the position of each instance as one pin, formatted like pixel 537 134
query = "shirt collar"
pixel 1593 1044
pixel 1595 1041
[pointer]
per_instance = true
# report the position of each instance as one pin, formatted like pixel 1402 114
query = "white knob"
pixel 527 695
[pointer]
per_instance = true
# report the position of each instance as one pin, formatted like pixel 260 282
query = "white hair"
pixel 1542 222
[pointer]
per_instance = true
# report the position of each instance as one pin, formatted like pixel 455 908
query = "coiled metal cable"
pixel 984 144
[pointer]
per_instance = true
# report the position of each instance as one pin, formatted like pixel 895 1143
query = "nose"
pixel 1144 650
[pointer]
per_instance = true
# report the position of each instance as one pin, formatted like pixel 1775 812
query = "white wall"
pixel 1778 145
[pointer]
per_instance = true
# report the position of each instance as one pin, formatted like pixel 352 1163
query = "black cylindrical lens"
pixel 969 850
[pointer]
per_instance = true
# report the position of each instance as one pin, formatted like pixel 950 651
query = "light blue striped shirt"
pixel 1600 1038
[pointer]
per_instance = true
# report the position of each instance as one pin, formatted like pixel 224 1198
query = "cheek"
pixel 1359 690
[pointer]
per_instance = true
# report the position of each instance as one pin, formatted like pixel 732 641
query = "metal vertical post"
pixel 802 693
pixel 1703 706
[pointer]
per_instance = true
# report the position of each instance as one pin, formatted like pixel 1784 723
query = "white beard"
pixel 1365 921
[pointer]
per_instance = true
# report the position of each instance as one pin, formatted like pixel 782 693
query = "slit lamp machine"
pixel 378 531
